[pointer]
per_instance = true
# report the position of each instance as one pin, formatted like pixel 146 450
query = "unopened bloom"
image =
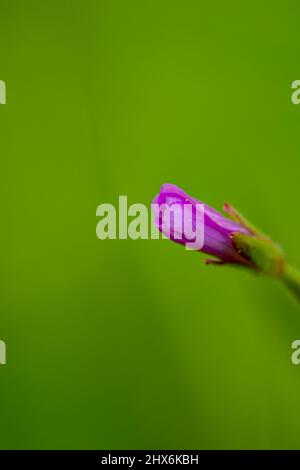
pixel 233 240
pixel 217 229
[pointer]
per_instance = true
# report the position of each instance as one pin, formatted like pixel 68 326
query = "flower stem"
pixel 291 278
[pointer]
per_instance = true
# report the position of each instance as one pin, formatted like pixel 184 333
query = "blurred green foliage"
pixel 136 344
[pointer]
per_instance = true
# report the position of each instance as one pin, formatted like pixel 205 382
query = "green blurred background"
pixel 136 344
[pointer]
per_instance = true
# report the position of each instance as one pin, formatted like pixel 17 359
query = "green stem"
pixel 291 278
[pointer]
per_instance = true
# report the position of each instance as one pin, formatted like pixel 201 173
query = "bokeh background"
pixel 136 344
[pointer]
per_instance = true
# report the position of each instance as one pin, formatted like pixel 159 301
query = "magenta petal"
pixel 217 228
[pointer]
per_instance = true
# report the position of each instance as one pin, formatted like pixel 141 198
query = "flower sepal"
pixel 265 255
